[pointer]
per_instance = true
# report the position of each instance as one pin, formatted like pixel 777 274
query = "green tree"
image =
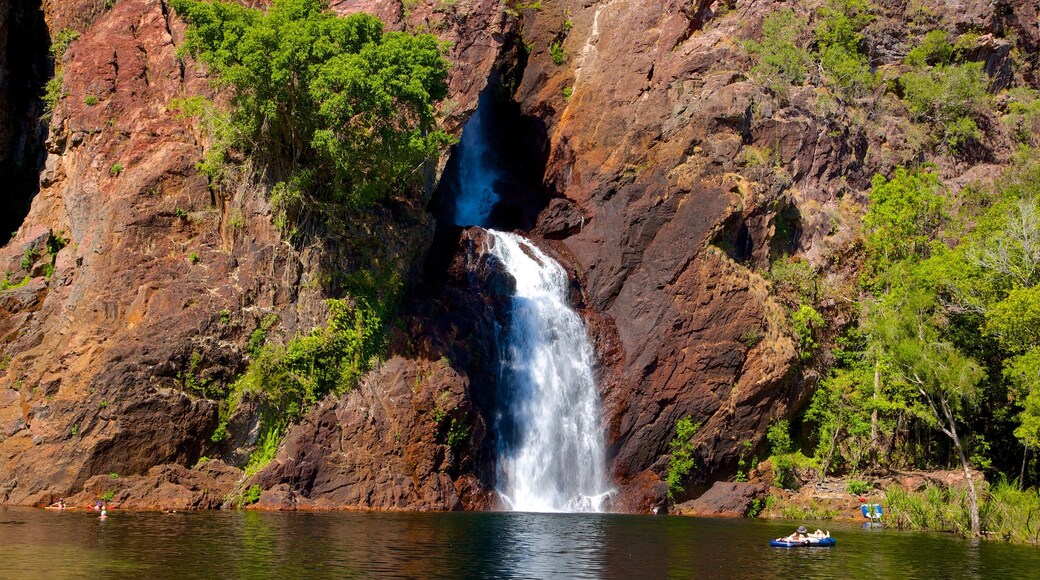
pixel 682 460
pixel 342 109
pixel 781 58
pixel 902 222
pixel 838 42
pixel 949 98
pixel 908 322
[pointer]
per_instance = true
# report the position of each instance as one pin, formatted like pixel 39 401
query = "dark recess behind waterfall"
pixel 460 300
pixel 26 66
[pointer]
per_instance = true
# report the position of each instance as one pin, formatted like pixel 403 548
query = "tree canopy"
pixel 339 106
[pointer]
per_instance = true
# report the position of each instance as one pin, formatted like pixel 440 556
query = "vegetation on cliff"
pixel 339 112
pixel 939 363
pixel 336 114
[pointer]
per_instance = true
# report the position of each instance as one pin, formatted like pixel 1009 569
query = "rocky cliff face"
pixel 137 274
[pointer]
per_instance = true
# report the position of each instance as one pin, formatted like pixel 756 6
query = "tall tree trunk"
pixel 1022 473
pixel 973 498
pixel 830 450
pixel 874 413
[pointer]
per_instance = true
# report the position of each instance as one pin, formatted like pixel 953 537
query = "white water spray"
pixel 552 458
pixel 551 455
pixel 476 195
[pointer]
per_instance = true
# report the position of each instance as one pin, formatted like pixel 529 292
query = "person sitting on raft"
pixel 820 534
pixel 800 535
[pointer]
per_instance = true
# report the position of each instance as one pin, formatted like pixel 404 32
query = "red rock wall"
pixel 659 216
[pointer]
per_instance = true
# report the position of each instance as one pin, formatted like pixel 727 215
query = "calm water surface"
pixel 47 544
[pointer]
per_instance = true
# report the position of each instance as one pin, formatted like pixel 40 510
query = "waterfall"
pixel 475 195
pixel 551 455
pixel 551 445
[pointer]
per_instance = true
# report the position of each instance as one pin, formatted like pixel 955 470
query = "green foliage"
pixel 567 92
pixel 1022 115
pixel 7 284
pixel 29 257
pixel 949 98
pixel 794 280
pixel 858 487
pixel 61 41
pixel 286 380
pixel 458 433
pixel 779 437
pixel 557 54
pixel 341 109
pixel 902 222
pixel 935 49
pixel 781 59
pixel 744 462
pixel 90 100
pixel 193 257
pixel 116 168
pixel 108 495
pixel 250 495
pixel 53 92
pixel 682 460
pixel 838 42
pixel 220 128
pixel 806 323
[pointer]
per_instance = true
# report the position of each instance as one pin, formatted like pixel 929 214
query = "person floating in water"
pixel 802 535
pixel 104 514
pixel 58 506
pixel 100 505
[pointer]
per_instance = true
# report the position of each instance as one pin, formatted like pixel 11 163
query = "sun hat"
pixel 801 529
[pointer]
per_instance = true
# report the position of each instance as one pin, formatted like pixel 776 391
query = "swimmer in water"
pixel 104 514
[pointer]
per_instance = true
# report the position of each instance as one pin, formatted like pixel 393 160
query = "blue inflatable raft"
pixel 806 543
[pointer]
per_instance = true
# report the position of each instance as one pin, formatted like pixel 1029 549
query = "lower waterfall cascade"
pixel 550 451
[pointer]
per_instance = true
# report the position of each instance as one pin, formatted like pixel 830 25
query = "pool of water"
pixel 48 544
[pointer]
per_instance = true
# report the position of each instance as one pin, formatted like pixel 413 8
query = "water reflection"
pixel 39 544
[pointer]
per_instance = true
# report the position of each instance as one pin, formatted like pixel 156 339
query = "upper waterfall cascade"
pixel 551 455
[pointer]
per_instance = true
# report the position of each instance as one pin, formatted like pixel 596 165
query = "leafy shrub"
pixel 250 496
pixel 116 169
pixel 858 487
pixel 935 49
pixel 53 92
pixel 779 437
pixel 838 40
pixel 805 322
pixel 781 60
pixel 338 104
pixel 557 54
pixel 29 257
pixel 61 41
pixel 90 100
pixel 682 460
pixel 902 221
pixel 287 379
pixel 794 280
pixel 948 97
pixel 1022 115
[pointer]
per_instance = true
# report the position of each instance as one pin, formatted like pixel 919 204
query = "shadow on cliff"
pixel 26 66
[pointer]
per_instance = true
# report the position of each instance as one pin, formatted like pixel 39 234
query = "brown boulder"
pixel 725 499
